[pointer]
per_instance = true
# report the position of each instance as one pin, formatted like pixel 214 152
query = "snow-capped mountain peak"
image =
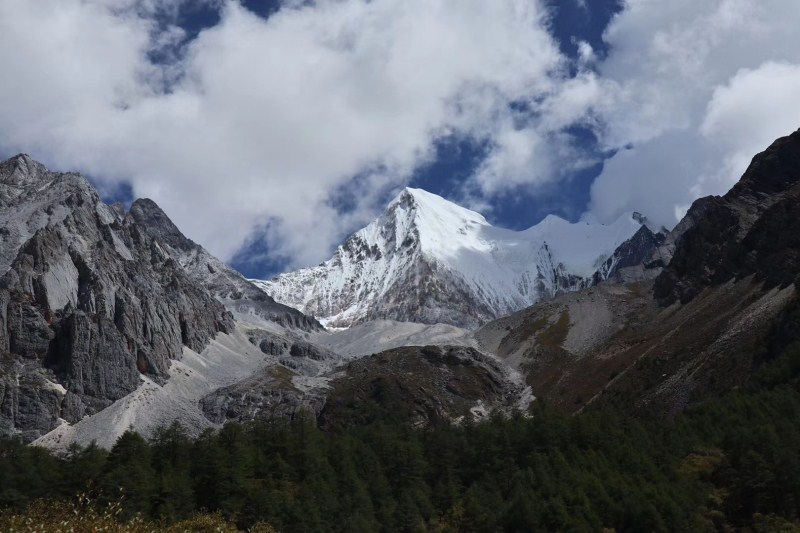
pixel 426 259
pixel 430 221
pixel 433 211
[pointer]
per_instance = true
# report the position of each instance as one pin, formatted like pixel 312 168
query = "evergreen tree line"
pixel 730 462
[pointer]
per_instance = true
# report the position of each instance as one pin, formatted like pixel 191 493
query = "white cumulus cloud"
pixel 697 88
pixel 252 129
pixel 268 117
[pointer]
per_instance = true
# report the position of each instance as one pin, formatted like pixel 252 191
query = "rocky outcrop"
pixel 271 392
pixel 267 395
pixel 239 294
pixel 422 385
pixel 639 258
pixel 753 229
pixel 415 384
pixel 88 299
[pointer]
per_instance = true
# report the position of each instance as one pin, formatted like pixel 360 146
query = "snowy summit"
pixel 428 260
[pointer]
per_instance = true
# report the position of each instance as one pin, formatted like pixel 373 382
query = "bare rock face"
pixel 753 229
pixel 30 399
pixel 637 259
pixel 237 292
pixel 89 301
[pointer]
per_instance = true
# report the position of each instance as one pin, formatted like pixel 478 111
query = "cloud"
pixel 658 178
pixel 262 120
pixel 698 89
pixel 255 127
pixel 750 111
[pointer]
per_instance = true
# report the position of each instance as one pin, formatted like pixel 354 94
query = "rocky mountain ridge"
pixel 89 302
pixel 237 293
pixel 748 231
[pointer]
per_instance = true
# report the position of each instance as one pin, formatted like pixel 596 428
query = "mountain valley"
pixel 620 311
pixel 114 320
pixel 476 365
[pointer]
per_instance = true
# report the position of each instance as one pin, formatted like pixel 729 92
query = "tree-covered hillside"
pixel 728 462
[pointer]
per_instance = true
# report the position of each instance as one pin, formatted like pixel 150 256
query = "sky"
pixel 270 130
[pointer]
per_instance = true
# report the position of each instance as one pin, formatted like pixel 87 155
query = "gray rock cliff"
pixel 228 285
pixel 752 229
pixel 90 301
